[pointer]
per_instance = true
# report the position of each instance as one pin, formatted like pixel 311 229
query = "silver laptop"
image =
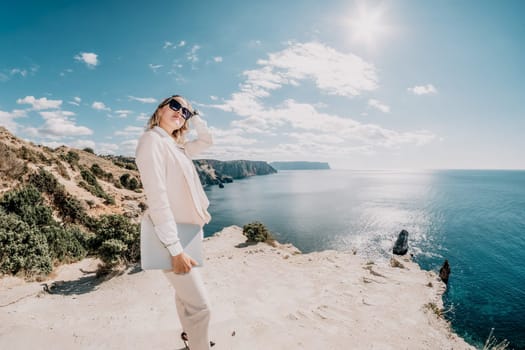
pixel 153 254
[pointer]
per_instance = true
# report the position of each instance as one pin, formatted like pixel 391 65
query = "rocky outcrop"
pixel 444 272
pixel 215 172
pixel 401 245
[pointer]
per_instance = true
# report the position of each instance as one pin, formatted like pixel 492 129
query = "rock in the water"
pixel 444 272
pixel 401 246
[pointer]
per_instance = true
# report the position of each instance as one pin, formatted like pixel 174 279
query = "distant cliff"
pixel 299 165
pixel 213 172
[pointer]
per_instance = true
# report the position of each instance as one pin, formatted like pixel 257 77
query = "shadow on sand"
pixel 87 283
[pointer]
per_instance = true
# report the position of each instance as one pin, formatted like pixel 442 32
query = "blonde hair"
pixel 154 120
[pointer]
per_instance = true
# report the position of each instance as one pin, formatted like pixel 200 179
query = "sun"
pixel 367 25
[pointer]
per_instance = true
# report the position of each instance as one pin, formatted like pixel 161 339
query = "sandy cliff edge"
pixel 262 297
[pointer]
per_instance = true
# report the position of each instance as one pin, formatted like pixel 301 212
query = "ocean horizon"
pixel 473 218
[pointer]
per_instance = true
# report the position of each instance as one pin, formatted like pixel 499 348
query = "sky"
pixel 358 84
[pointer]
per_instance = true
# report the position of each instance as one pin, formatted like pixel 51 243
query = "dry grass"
pixel 10 165
pixel 492 343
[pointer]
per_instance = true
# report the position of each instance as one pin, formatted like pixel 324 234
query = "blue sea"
pixel 473 218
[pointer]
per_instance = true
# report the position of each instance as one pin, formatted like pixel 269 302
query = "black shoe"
pixel 184 337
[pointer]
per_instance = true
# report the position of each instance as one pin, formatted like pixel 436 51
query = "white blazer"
pixel 171 183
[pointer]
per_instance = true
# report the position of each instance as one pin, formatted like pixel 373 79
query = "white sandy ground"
pixel 262 298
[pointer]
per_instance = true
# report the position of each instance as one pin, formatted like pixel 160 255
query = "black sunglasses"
pixel 176 106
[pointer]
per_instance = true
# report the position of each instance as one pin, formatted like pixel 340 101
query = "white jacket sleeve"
pixel 203 141
pixel 150 160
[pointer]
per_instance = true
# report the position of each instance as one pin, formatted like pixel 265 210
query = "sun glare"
pixel 367 24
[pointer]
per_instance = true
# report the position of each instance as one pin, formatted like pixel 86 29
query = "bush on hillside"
pixel 72 158
pixel 44 181
pixel 66 244
pixel 256 232
pixel 129 182
pixel 100 173
pixel 93 186
pixel 69 208
pixel 89 150
pixel 24 248
pixel 116 240
pixel 28 204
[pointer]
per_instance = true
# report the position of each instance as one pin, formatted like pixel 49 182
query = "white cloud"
pixel 335 73
pixel 21 72
pixel 143 116
pixel 107 148
pixel 81 144
pixel 66 71
pixel 192 54
pixel 123 113
pixel 154 67
pixel 59 124
pixel 7 119
pixel 167 44
pixel 308 137
pixel 89 58
pixel 423 89
pixel 303 128
pixel 378 105
pixel 130 131
pixel 231 137
pixel 217 59
pixel 128 147
pixel 214 98
pixel 143 99
pixel 76 101
pixel 40 103
pixel 99 106
pixel 182 43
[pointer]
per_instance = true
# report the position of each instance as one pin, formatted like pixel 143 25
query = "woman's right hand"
pixel 182 263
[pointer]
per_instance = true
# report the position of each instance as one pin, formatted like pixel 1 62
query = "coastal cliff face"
pixel 212 172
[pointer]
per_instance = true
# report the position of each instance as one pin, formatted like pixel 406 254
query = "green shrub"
pixel 100 173
pixel 27 203
pixel 116 239
pixel 89 177
pixel 93 186
pixel 129 182
pixel 89 150
pixel 111 252
pixel 69 208
pixel 44 181
pixel 133 184
pixel 24 247
pixel 256 232
pixel 66 244
pixel 72 158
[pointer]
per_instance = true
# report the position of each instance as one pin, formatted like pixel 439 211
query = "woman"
pixel 174 194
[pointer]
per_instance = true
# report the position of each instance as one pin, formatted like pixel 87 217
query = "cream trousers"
pixel 193 306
